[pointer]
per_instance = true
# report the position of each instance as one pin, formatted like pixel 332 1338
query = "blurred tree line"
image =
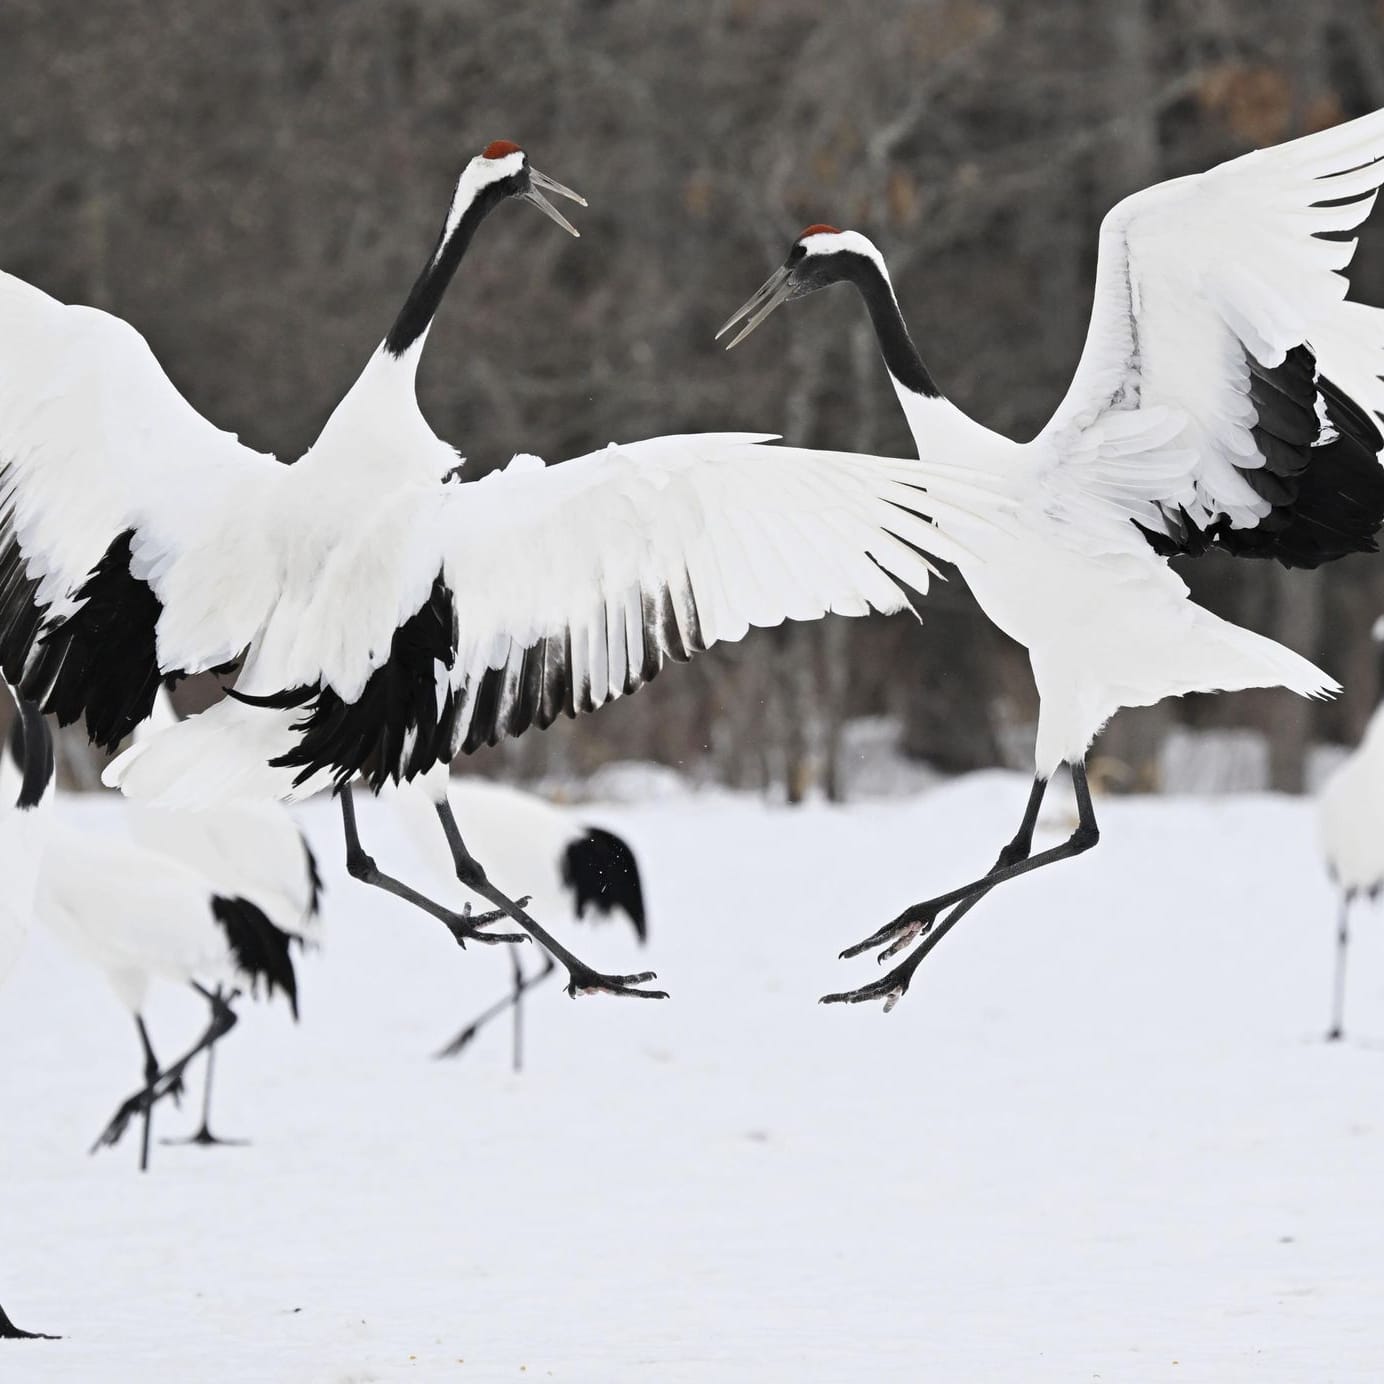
pixel 255 185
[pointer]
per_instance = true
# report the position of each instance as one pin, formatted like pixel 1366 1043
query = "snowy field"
pixel 1101 1139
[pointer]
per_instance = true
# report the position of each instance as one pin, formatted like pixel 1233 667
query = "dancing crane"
pixel 388 619
pixel 1223 402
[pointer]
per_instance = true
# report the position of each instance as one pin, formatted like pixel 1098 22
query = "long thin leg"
pixel 463 1039
pixel 10 1332
pixel 1338 1003
pixel 517 1061
pixel 204 1137
pixel 581 978
pixel 151 1075
pixel 360 865
pixel 170 1082
pixel 914 921
pixel 892 986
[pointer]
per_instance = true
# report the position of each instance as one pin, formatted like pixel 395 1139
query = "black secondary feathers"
pixel 395 729
pixel 1327 498
pixel 538 684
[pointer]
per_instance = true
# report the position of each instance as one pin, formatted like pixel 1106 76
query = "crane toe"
pixel 584 981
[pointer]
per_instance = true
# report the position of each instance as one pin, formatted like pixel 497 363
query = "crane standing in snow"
pixel 387 619
pixel 571 867
pixel 137 914
pixel 1224 400
pixel 1350 824
pixel 247 849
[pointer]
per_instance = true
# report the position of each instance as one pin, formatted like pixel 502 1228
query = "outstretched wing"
pixel 129 525
pixel 575 583
pixel 1225 394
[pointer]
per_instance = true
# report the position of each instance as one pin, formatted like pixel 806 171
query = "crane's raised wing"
pixel 129 541
pixel 1226 394
pixel 575 583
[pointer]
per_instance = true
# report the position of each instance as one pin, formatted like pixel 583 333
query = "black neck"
pixel 895 345
pixel 31 747
pixel 426 294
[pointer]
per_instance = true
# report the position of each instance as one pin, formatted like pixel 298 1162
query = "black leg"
pixel 891 987
pixel 204 1137
pixel 517 1060
pixel 1338 1005
pixel 530 982
pixel 10 1332
pixel 914 921
pixel 170 1082
pixel 581 978
pixel 463 926
pixel 151 1075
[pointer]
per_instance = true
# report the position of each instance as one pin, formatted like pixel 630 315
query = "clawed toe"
pixel 467 926
pixel 584 982
pixel 113 1132
pixel 896 935
pixel 906 938
pixel 891 989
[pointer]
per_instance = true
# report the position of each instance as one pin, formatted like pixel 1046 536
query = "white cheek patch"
pixel 824 243
pixel 477 175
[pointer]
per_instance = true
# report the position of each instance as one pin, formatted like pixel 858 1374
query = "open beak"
pixel 539 183
pixel 776 289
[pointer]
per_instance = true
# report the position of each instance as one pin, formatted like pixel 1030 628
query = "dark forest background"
pixel 255 184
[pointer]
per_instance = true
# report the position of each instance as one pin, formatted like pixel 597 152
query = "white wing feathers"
pixel 95 440
pixel 573 583
pixel 1194 276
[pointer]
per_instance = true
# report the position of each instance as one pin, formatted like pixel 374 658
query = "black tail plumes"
pixel 395 728
pixel 600 869
pixel 260 949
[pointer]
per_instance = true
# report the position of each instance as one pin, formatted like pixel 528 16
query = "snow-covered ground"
pixel 1101 1139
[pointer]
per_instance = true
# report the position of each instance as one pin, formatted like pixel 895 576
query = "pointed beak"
pixel 776 289
pixel 539 183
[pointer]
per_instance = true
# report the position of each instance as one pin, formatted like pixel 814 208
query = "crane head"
pixel 821 255
pixel 502 164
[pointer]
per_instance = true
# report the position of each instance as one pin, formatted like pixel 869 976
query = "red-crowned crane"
pixel 140 913
pixel 388 619
pixel 1225 400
